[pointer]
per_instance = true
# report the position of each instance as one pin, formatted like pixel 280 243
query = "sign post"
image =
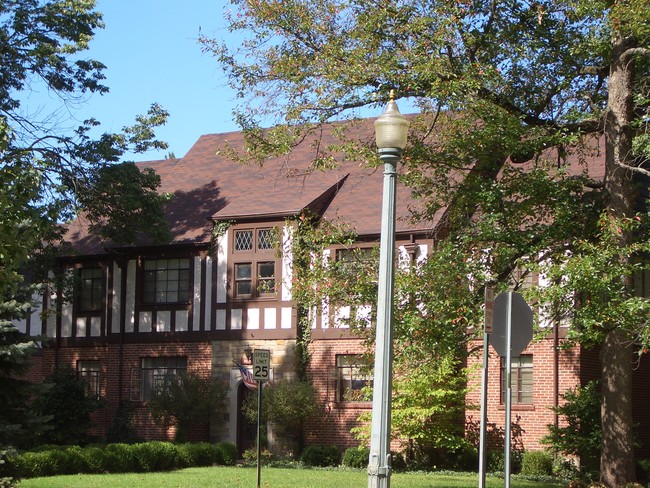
pixel 261 369
pixel 511 334
pixel 482 450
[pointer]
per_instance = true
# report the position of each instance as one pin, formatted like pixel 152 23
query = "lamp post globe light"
pixel 391 130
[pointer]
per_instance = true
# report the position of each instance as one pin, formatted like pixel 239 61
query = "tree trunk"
pixel 617 453
pixel 617 450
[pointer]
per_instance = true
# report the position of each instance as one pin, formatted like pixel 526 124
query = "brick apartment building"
pixel 205 300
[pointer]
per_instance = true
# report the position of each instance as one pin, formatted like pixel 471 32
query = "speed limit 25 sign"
pixel 261 364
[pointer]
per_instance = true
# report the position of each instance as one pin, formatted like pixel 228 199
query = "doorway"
pixel 246 430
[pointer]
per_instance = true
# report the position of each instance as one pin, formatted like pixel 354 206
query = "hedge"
pixel 121 458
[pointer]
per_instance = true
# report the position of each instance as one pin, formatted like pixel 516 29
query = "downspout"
pixel 556 373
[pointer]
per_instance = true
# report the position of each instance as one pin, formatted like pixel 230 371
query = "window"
pixel 254 275
pixel 355 303
pixel 88 371
pixel 521 380
pixel 90 289
pixel 158 371
pixel 166 281
pixel 251 240
pixel 351 378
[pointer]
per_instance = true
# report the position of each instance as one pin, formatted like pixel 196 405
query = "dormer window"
pixel 254 269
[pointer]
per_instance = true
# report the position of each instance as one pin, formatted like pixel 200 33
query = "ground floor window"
pixel 156 371
pixel 88 371
pixel 521 381
pixel 352 376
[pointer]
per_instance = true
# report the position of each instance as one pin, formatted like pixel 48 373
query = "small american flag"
pixel 247 377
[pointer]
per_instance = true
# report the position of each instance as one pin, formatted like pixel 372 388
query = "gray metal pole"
pixel 259 437
pixel 379 463
pixel 482 450
pixel 508 388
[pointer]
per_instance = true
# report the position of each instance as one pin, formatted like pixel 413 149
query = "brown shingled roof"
pixel 207 185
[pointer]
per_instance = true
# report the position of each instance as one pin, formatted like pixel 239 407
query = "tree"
pixel 509 93
pixel 67 404
pixel 286 404
pixel 51 172
pixel 186 400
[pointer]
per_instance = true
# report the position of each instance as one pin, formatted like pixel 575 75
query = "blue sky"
pixel 151 52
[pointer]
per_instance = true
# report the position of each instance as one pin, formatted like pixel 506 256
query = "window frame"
pixel 355 313
pixel 520 373
pixel 89 370
pixel 260 253
pixel 160 369
pixel 149 298
pixel 349 370
pixel 81 290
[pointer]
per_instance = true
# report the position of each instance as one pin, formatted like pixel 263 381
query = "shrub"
pixel 121 429
pixel 197 454
pixel 226 453
pixel 66 401
pixel 579 434
pixel 120 458
pixel 50 463
pixel 7 468
pixel 537 463
pixel 94 460
pixel 321 456
pixel 643 470
pixel 156 456
pixel 185 400
pixel 356 457
pixel 496 461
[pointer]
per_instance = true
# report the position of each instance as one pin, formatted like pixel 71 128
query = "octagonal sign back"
pixel 521 321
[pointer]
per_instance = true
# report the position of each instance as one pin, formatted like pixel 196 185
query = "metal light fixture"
pixel 248 352
pixel 391 130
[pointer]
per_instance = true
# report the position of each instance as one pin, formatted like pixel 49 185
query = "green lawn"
pixel 237 477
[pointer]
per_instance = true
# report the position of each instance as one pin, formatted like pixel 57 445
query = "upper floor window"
pixel 158 371
pixel 351 378
pixel 88 371
pixel 260 283
pixel 252 240
pixel 166 281
pixel 254 270
pixel 90 289
pixel 521 382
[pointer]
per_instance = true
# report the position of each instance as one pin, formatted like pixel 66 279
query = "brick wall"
pixel 112 376
pixel 338 418
pixel 529 422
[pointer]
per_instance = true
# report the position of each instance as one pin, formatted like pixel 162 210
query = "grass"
pixel 238 477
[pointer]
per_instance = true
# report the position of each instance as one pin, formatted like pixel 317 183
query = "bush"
pixel 120 458
pixel 94 460
pixel 121 429
pixel 66 401
pixel 356 457
pixel 537 463
pixel 321 456
pixel 496 461
pixel 580 433
pixel 7 468
pixel 197 454
pixel 226 453
pixel 643 470
pixel 156 456
pixel 50 463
